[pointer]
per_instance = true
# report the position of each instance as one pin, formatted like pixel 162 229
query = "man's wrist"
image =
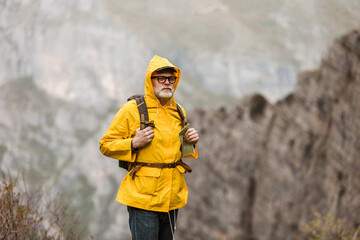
pixel 134 150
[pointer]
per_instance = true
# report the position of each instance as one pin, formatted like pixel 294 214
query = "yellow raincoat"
pixel 156 189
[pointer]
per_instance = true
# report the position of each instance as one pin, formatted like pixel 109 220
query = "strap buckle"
pixel 148 123
pixel 172 165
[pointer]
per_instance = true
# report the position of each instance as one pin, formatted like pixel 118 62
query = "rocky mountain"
pixel 68 65
pixel 264 168
pixel 90 51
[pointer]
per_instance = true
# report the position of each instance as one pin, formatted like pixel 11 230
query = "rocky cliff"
pixel 68 65
pixel 264 167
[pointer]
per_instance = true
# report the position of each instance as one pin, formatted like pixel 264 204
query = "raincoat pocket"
pixel 146 180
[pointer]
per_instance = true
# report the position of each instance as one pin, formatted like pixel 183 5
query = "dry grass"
pixel 328 227
pixel 29 216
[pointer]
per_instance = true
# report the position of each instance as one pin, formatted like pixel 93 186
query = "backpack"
pixel 144 122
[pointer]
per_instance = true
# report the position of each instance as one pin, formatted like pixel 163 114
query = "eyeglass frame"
pixel 164 79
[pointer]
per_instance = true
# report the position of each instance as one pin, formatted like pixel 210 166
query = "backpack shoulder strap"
pixel 181 113
pixel 143 112
pixel 135 96
pixel 144 122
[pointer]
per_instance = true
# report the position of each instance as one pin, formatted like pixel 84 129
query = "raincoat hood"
pixel 155 63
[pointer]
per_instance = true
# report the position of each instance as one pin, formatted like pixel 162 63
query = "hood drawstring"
pixel 157 106
pixel 173 228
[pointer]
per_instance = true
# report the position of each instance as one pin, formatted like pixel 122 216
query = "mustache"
pixel 167 88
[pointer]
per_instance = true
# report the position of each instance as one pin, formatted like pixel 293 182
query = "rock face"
pixel 88 52
pixel 264 168
pixel 68 65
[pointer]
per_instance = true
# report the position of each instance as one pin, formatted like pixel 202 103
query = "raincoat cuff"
pixel 134 150
pixel 130 156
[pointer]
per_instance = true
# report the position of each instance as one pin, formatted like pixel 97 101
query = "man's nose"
pixel 167 81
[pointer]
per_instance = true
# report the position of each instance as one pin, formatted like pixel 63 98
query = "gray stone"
pixel 264 168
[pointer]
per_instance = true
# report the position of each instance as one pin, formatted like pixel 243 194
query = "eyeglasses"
pixel 162 79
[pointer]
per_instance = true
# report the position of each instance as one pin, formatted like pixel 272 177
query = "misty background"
pixel 67 66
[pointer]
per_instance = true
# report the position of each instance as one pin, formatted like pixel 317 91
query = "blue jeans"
pixel 150 225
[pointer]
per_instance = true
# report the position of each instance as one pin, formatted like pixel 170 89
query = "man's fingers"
pixel 190 131
pixel 150 133
pixel 150 136
pixel 143 136
pixel 191 135
pixel 193 139
pixel 148 130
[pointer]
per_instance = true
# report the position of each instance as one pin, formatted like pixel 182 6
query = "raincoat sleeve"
pixel 116 143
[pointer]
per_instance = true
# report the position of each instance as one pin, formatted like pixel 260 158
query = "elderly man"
pixel 153 192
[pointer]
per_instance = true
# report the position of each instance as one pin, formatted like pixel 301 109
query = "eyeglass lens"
pixel 162 79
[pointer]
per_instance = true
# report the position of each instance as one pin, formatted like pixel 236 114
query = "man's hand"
pixel 191 136
pixel 143 137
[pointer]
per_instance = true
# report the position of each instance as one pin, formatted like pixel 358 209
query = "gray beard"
pixel 164 95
